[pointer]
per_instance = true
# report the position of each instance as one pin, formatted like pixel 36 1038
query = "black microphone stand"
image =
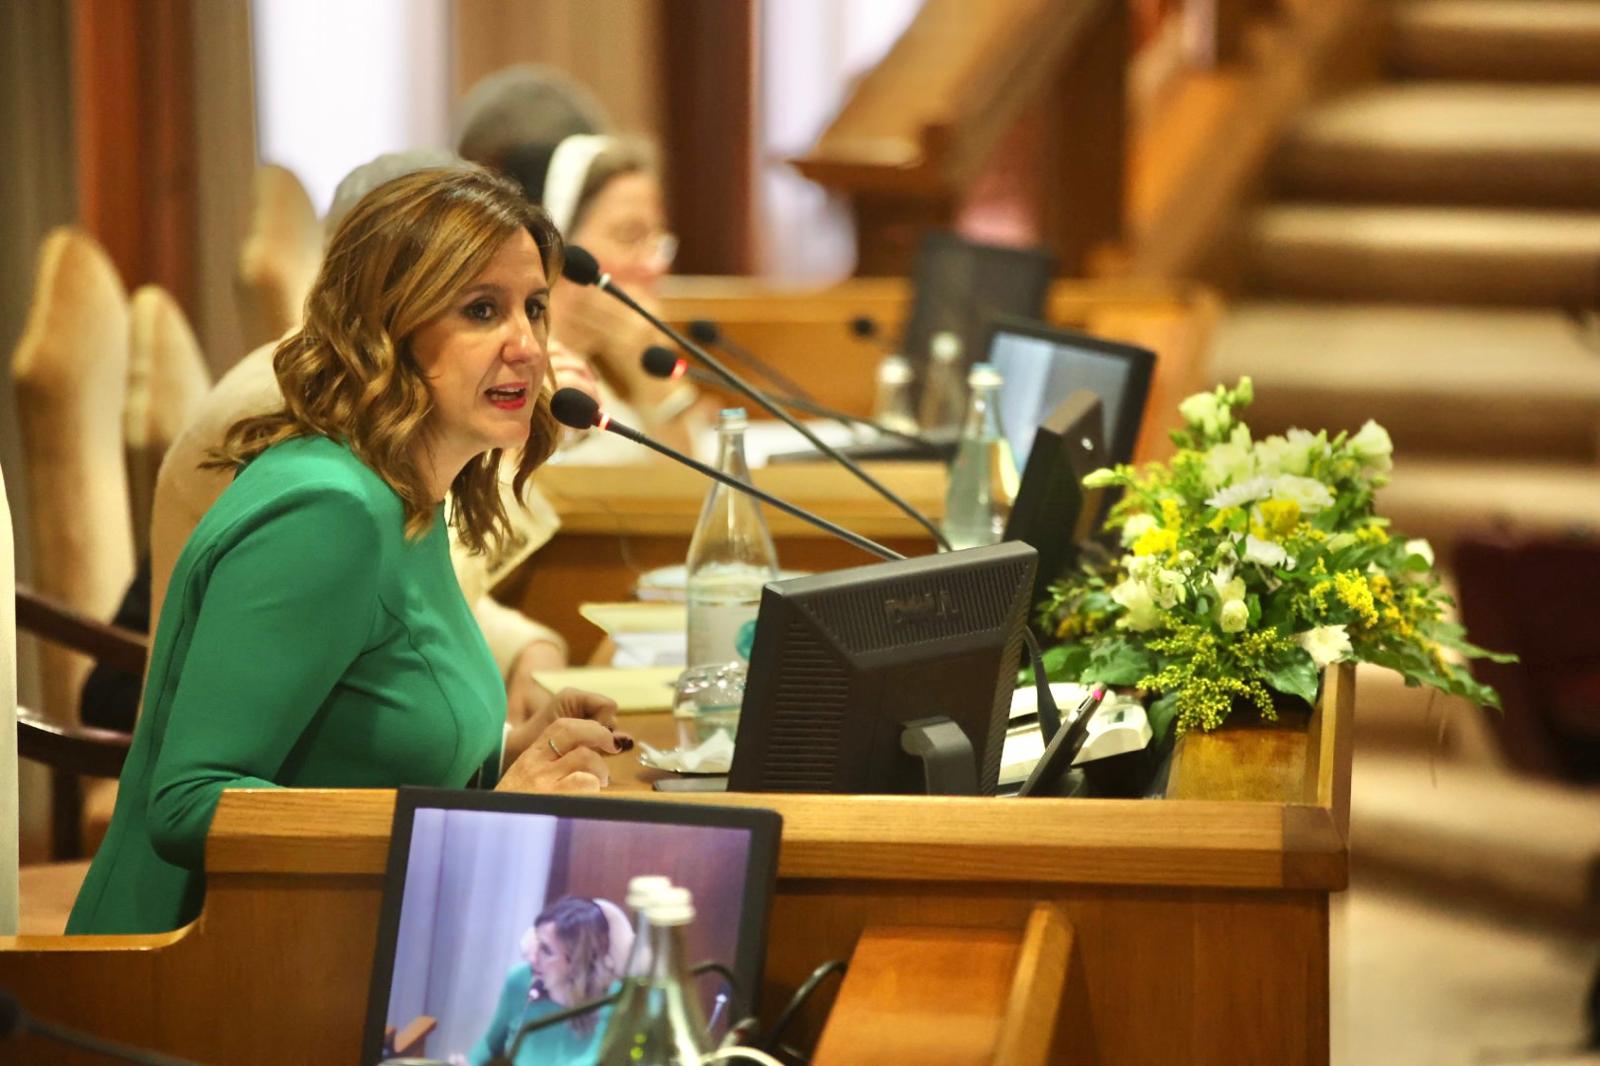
pixel 576 271
pixel 19 1021
pixel 710 334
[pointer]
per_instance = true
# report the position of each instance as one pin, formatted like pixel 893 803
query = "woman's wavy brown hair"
pixel 398 261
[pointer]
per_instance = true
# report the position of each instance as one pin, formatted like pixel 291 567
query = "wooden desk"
pixel 619 522
pixel 1200 924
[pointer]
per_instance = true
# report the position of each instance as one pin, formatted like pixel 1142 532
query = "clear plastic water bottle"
pixel 730 558
pixel 892 406
pixel 944 398
pixel 661 1022
pixel 983 478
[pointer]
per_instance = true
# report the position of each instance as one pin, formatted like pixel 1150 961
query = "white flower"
pixel 1234 616
pixel 1372 446
pixel 1231 461
pixel 1099 479
pixel 1326 644
pixel 1134 597
pixel 1205 412
pixel 1340 541
pixel 1420 547
pixel 1168 588
pixel 1311 494
pixel 1136 526
pixel 1265 552
pixel 1228 587
pixel 1241 493
pixel 1288 455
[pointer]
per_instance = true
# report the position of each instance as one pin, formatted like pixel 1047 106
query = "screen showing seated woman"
pixel 506 917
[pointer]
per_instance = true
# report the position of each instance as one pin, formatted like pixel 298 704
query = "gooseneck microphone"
pixel 581 268
pixel 580 411
pixel 706 332
pixel 15 1021
pixel 663 363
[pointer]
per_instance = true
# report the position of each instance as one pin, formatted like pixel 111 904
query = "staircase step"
pixel 1451 143
pixel 1426 255
pixel 1462 381
pixel 1534 40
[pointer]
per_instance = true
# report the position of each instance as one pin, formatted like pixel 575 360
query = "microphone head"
pixel 579 267
pixel 704 331
pixel 661 362
pixel 575 408
pixel 864 327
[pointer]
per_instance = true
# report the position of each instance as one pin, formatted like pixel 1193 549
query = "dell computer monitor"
pixel 959 285
pixel 457 971
pixel 1053 511
pixel 1042 364
pixel 843 661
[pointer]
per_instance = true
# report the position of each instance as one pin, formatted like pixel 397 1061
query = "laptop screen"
pixel 1042 364
pixel 502 908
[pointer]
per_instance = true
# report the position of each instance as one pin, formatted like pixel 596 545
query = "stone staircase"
pixel 1429 255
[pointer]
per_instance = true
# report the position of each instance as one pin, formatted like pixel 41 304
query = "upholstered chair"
pixel 167 378
pixel 10 815
pixel 280 256
pixel 71 373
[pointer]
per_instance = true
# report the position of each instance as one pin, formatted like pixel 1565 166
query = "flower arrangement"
pixel 1247 567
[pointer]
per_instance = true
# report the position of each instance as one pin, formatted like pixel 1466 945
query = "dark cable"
pixel 798 1000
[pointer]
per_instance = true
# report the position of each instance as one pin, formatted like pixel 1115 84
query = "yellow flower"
pixel 1372 535
pixel 1171 515
pixel 1356 594
pixel 1278 518
pixel 1156 541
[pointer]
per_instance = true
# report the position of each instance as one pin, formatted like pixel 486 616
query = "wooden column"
pixel 707 63
pixel 134 90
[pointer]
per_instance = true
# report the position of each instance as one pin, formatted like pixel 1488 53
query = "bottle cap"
pixel 894 370
pixel 945 347
pixel 642 889
pixel 984 376
pixel 670 906
pixel 733 418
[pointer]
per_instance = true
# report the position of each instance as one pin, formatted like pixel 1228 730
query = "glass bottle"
pixel 944 399
pixel 730 558
pixel 892 406
pixel 983 478
pixel 662 1023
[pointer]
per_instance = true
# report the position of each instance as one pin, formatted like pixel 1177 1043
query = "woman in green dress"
pixel 314 634
pixel 572 957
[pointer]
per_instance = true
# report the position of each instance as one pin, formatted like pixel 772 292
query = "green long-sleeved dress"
pixel 305 642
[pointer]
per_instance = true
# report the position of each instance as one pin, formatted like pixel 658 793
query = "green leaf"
pixel 1161 714
pixel 1118 662
pixel 1294 674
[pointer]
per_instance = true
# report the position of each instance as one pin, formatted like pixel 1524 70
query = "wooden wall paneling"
pixel 610 46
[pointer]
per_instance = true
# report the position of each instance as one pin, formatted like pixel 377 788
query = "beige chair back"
pixel 10 813
pixel 167 379
pixel 280 256
pixel 71 370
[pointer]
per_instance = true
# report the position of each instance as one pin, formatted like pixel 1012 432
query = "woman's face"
pixel 625 227
pixel 549 960
pixel 484 359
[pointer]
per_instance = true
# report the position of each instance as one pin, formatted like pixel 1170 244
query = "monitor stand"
pixel 949 764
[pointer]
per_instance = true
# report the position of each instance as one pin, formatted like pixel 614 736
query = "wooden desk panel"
pixel 1200 924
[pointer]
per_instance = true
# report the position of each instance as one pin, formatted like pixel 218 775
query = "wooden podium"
pixel 1117 932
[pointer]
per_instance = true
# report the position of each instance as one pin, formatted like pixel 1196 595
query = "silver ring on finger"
pixel 552 742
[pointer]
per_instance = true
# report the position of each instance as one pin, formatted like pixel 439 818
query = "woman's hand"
pixel 567 756
pixel 525 697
